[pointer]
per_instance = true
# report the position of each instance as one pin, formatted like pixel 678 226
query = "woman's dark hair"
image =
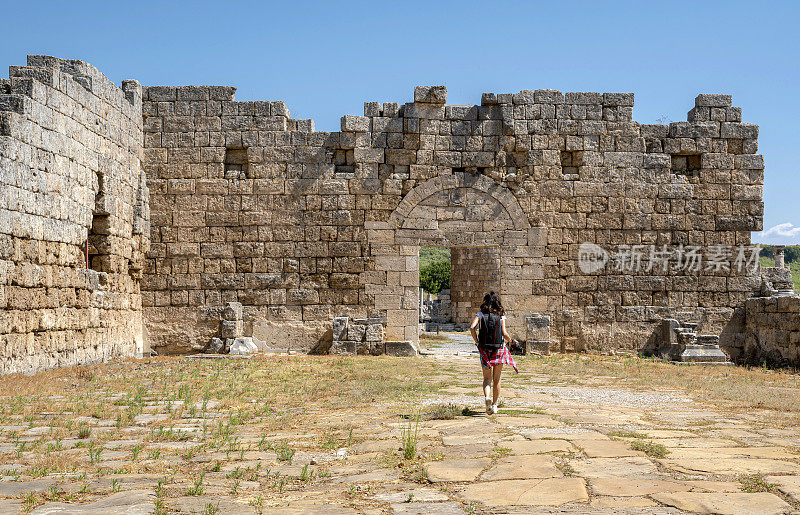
pixel 491 304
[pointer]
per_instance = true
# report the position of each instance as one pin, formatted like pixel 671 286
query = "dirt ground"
pixel 324 434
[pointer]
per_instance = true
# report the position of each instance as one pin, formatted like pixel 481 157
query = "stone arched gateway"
pixel 461 210
pixel 299 228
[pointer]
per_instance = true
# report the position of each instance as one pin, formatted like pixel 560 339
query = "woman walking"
pixel 494 353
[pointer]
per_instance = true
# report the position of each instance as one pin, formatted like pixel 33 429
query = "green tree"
pixel 428 255
pixel 435 277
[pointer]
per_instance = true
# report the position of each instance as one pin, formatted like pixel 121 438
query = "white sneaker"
pixel 493 409
pixel 488 406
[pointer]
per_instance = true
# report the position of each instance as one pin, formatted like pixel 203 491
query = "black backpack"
pixel 490 334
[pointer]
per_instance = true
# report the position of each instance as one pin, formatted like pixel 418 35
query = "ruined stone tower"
pixel 74 221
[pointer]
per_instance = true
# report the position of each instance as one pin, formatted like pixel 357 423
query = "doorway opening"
pixel 435 271
pixel 453 281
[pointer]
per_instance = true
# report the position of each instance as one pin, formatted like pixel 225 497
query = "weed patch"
pixel 442 412
pixel 652 449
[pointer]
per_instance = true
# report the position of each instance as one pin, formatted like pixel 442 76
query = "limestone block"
pixel 524 97
pixel 352 123
pixel 537 327
pixel 400 348
pixel 712 100
pixel 694 130
pixel 391 109
pixel 618 99
pixel 739 130
pixel 583 98
pixel 430 111
pixel 215 346
pixel 231 328
pixel 343 348
pixel 488 99
pixel 548 96
pixel 749 162
pixel 430 94
pixel 340 328
pixel 461 113
pixel 374 332
pixel 356 332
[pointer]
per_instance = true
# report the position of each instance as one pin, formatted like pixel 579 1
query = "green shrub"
pixel 409 438
pixel 435 277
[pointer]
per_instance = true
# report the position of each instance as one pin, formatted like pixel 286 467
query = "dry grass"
pixel 626 434
pixel 202 407
pixel 443 412
pixel 290 407
pixel 735 388
pixel 433 337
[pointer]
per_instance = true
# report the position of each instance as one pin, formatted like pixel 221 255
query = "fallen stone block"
pixel 343 348
pixel 215 346
pixel 243 346
pixel 400 348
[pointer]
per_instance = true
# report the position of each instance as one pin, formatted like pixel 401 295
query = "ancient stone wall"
pixel 251 206
pixel 475 271
pixel 73 216
pixel 246 208
pixel 772 331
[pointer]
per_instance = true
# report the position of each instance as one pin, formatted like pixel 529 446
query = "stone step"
pixel 708 339
pixel 703 354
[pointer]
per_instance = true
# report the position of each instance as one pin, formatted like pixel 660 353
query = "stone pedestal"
pixel 537 334
pixel 703 354
pixel 679 342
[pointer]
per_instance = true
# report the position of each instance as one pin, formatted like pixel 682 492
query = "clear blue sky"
pixel 326 58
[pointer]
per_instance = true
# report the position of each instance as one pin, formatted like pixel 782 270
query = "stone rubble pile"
pixel 232 339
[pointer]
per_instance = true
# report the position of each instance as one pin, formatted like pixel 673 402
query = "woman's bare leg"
pixel 496 371
pixel 487 382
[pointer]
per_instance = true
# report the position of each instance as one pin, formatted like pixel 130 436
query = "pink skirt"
pixel 493 357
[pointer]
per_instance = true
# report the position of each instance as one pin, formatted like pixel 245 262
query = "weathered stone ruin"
pixel 436 311
pixel 247 205
pixel 74 222
pixel 772 321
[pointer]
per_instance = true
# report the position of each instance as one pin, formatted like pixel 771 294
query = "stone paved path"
pixel 454 344
pixel 578 448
